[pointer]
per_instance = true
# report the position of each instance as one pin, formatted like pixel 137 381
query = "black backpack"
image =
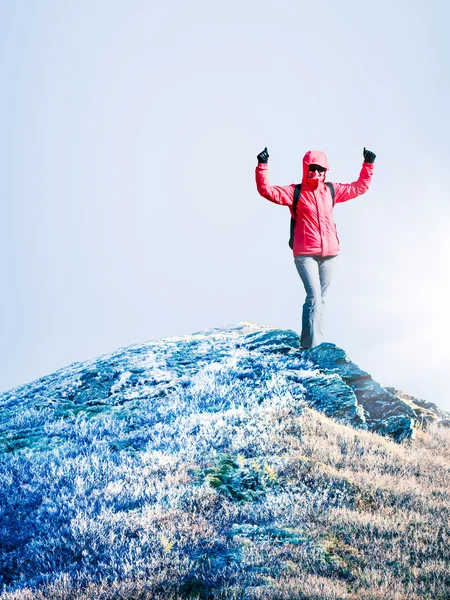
pixel 298 189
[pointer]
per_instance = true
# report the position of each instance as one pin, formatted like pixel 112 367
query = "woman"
pixel 315 241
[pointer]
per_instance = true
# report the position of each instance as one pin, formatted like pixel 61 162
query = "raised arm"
pixel 278 194
pixel 347 191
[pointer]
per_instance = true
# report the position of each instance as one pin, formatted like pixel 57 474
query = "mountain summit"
pixel 225 464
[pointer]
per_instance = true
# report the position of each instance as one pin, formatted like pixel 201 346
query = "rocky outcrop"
pixel 425 412
pixel 384 412
pixel 338 387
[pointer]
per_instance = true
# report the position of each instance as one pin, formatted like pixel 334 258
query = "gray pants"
pixel 316 273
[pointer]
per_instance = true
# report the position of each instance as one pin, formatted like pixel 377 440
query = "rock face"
pixel 383 412
pixel 425 412
pixel 341 390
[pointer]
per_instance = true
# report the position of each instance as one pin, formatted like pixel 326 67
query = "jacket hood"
pixel 314 157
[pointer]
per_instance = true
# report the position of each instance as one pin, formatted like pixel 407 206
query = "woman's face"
pixel 316 172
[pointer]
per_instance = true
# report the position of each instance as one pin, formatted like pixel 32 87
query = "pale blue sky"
pixel 129 134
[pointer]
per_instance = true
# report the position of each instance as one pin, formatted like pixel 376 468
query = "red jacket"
pixel 315 230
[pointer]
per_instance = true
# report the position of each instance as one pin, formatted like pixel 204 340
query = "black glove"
pixel 263 157
pixel 369 157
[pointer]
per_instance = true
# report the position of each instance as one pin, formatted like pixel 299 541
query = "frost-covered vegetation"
pixel 194 469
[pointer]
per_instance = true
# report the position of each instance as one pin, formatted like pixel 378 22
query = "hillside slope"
pixel 225 464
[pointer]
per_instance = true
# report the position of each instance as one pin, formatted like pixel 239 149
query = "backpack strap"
pixel 330 186
pixel 297 192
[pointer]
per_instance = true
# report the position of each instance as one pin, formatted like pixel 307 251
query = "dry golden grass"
pixel 374 515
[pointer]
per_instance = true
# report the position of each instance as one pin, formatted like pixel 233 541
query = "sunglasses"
pixel 317 168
